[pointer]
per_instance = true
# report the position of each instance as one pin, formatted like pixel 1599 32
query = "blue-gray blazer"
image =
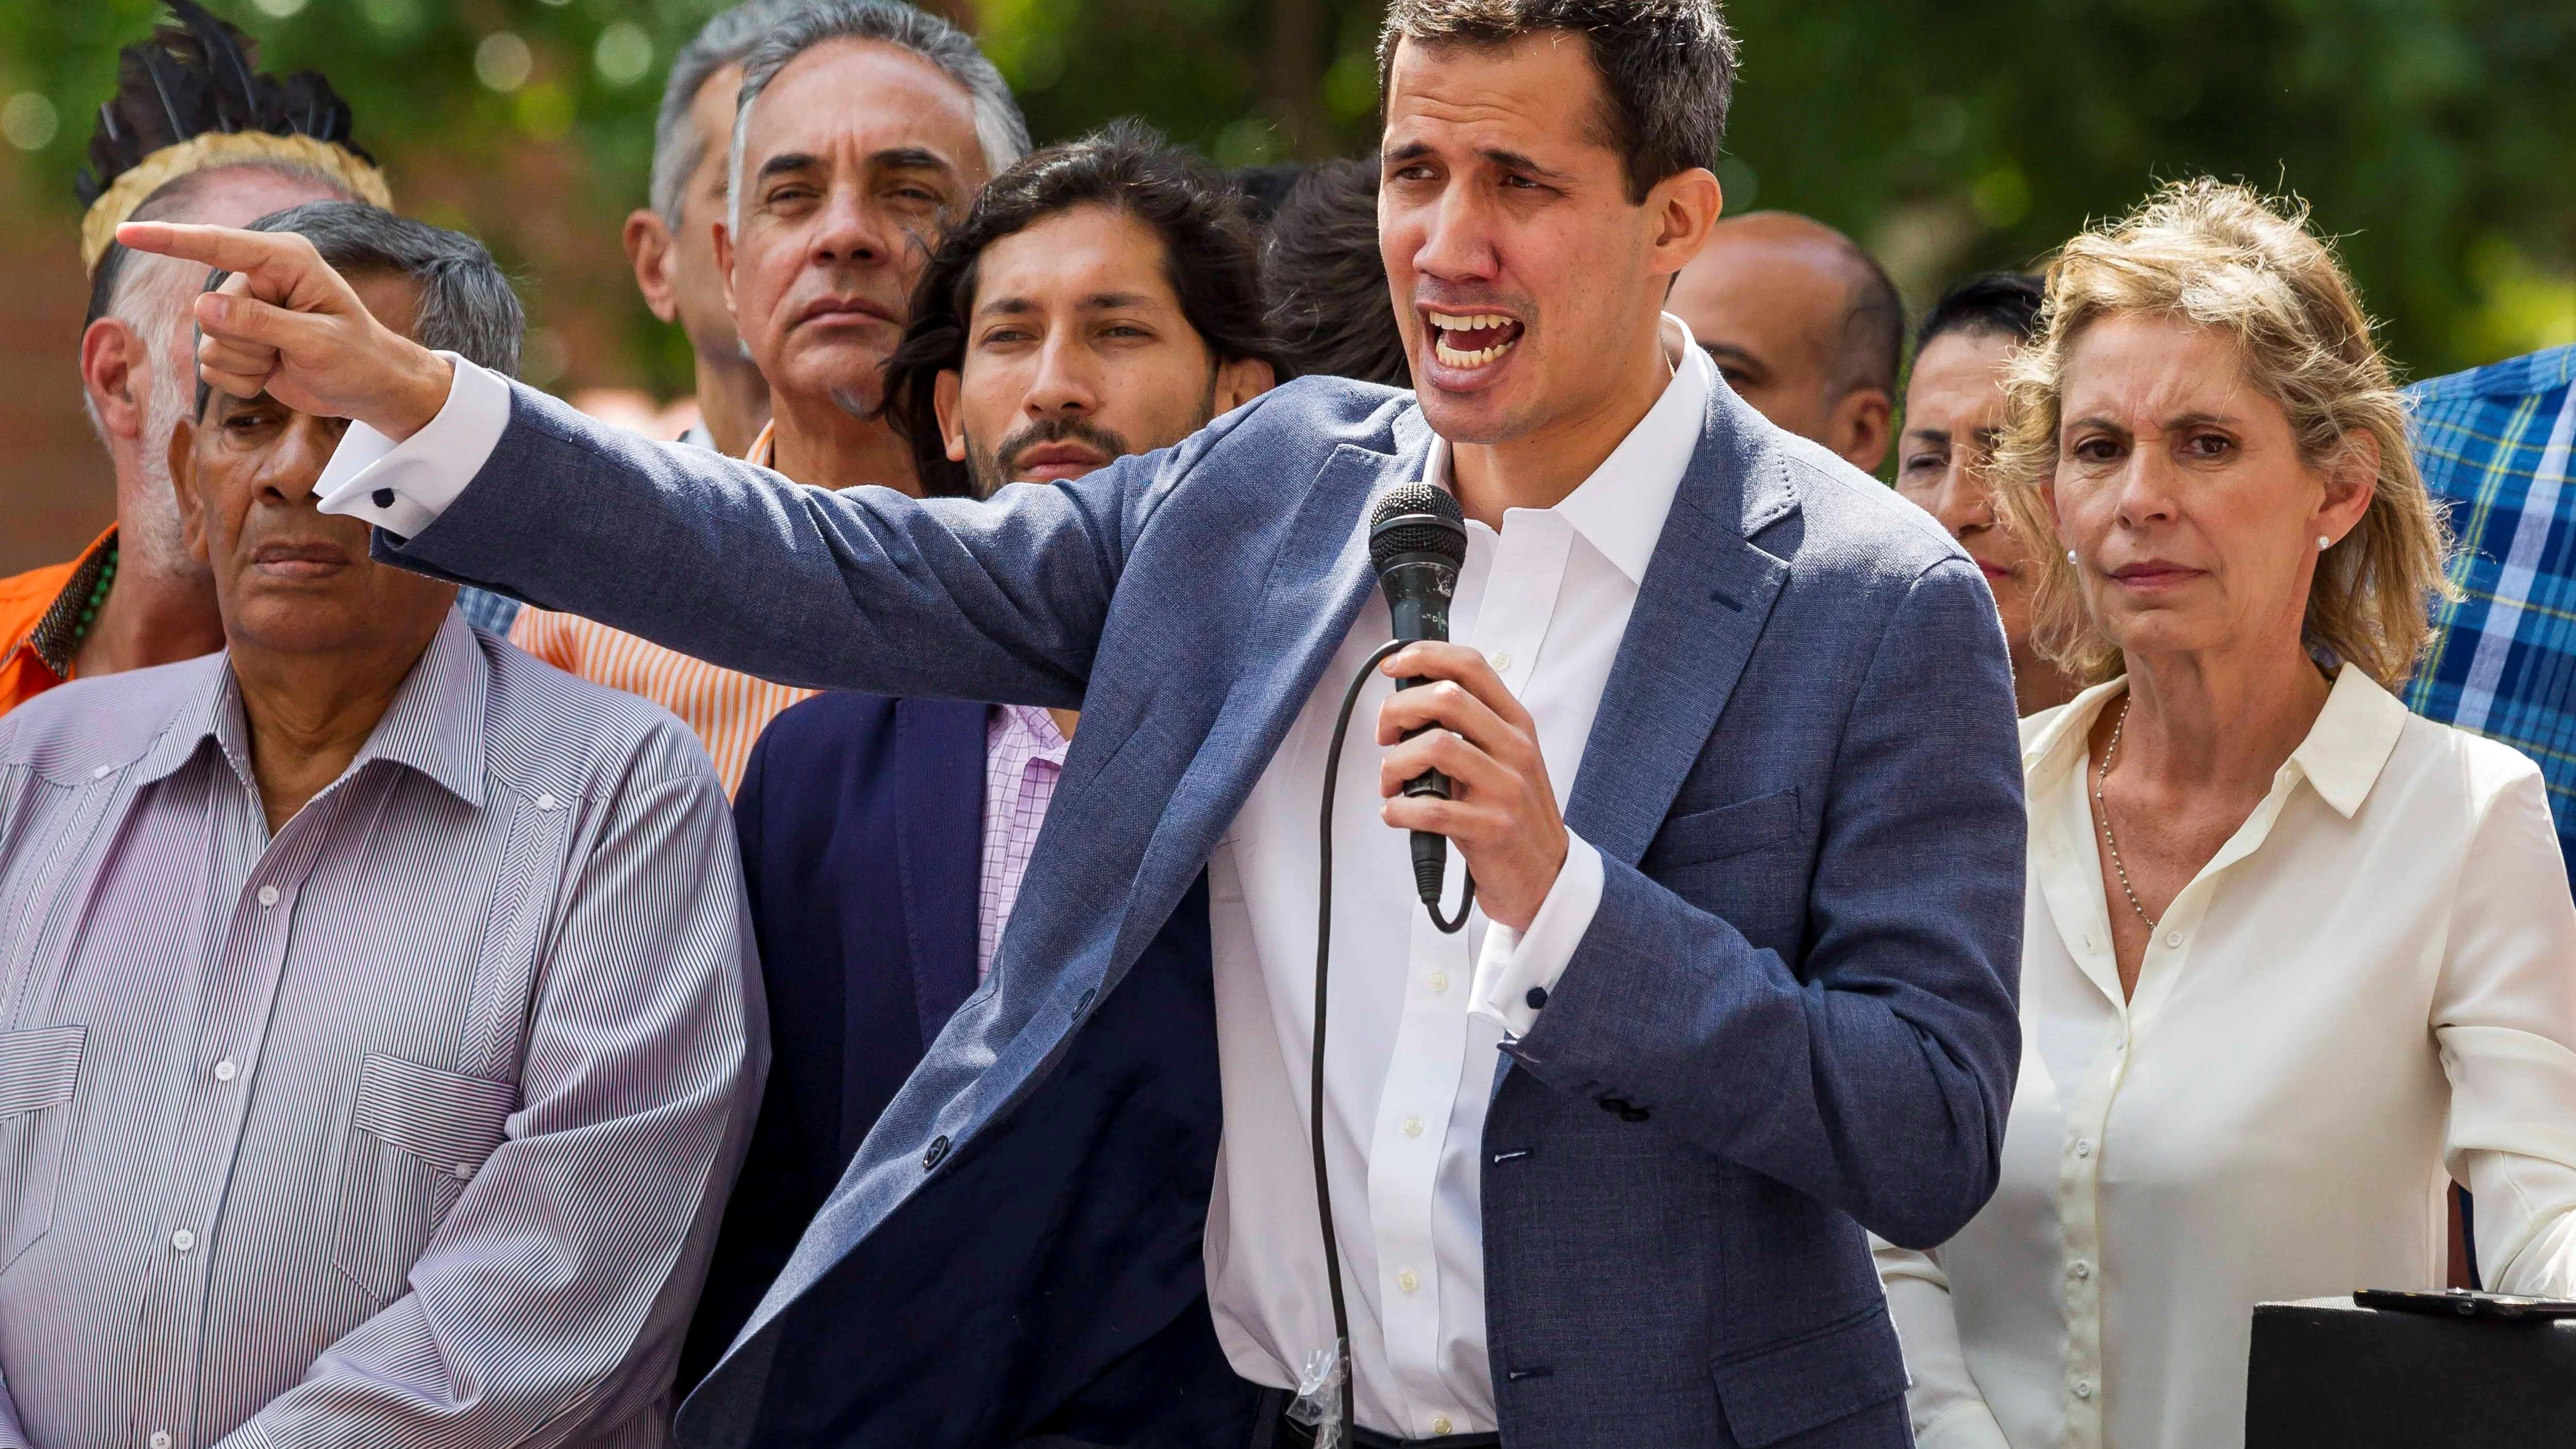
pixel 1803 780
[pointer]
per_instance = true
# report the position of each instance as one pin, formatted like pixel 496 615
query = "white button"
pixel 182 1240
pixel 267 896
pixel 101 773
pixel 1439 982
pixel 2080 1269
pixel 1439 1425
pixel 160 1440
pixel 2173 938
pixel 546 802
pixel 1501 659
pixel 225 1071
pixel 2083 1146
pixel 465 1172
pixel 2083 1388
pixel 1412 1126
pixel 1406 1281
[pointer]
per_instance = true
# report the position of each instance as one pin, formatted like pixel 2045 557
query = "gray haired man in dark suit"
pixel 1737 782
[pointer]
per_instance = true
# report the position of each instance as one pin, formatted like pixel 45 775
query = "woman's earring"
pixel 2324 543
pixel 2070 555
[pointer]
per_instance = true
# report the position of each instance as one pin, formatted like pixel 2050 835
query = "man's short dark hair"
pixel 466 305
pixel 1667 67
pixel 1329 303
pixel 1989 304
pixel 1209 254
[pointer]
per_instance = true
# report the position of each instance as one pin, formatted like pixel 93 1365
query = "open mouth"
pixel 1473 339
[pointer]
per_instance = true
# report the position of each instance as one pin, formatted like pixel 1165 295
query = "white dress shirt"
pixel 2369 990
pixel 1417 1016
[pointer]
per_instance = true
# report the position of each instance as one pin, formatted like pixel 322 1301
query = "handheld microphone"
pixel 1418 541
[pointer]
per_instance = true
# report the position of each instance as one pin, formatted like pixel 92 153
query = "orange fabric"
pixel 24 602
pixel 726 709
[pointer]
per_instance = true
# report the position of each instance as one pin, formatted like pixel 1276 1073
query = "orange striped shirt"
pixel 727 709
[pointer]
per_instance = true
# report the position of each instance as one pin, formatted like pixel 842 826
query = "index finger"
pixel 269 257
pixel 1465 667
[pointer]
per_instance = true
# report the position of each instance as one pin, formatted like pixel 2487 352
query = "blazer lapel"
pixel 1699 613
pixel 940 850
pixel 1315 587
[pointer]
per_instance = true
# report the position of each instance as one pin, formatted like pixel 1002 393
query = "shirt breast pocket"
pixel 417 1135
pixel 39 1077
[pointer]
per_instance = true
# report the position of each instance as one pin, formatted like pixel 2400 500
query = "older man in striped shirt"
pixel 378 1034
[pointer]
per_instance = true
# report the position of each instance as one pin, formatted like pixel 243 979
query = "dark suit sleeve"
pixel 865 588
pixel 763 1220
pixel 1875 1074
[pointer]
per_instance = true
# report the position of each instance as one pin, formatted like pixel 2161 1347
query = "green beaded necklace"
pixel 97 600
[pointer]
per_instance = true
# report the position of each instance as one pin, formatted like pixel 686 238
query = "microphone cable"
pixel 1320 1380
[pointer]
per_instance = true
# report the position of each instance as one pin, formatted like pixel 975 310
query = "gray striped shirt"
pixel 405 1129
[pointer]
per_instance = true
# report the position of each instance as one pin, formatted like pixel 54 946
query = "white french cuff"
pixel 403 487
pixel 1517 969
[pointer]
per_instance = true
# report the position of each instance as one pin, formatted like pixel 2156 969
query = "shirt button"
pixel 1439 982
pixel 1501 659
pixel 2173 938
pixel 182 1240
pixel 1406 1281
pixel 547 802
pixel 2083 1388
pixel 2080 1269
pixel 101 773
pixel 1439 1425
pixel 2083 1146
pixel 267 897
pixel 225 1071
pixel 160 1439
pixel 1412 1126
pixel 465 1172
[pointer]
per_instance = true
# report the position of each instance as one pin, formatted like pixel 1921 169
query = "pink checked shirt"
pixel 1023 758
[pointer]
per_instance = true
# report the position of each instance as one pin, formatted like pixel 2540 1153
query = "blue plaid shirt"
pixel 2493 445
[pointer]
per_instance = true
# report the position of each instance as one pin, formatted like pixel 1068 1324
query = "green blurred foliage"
pixel 2435 138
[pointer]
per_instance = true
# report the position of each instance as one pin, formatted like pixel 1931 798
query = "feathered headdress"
pixel 191 98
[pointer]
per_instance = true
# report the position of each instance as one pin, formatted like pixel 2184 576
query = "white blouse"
pixel 2369 990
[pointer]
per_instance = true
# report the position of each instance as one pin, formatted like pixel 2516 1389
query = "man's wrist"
pixel 426 382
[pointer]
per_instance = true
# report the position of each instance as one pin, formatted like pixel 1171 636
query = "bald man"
pixel 1804 325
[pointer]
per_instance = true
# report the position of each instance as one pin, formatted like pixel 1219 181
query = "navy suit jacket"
pixel 1796 997
pixel 862 846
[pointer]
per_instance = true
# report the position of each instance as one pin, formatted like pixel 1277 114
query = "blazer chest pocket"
pixel 1705 836
pixel 39 1077
pixel 417 1135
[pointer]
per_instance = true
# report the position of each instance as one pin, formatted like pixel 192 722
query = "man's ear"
pixel 1685 206
pixel 1859 427
pixel 183 486
pixel 1240 381
pixel 724 267
pixel 649 250
pixel 945 399
pixel 116 371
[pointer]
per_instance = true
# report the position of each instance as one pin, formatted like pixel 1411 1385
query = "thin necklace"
pixel 2102 812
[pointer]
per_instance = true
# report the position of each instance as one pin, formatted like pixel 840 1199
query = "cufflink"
pixel 382 498
pixel 1537 997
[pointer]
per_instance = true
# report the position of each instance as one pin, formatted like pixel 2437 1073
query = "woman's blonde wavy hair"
pixel 2224 257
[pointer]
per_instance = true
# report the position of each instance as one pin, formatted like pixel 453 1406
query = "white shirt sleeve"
pixel 1942 1396
pixel 403 487
pixel 1515 963
pixel 2504 1015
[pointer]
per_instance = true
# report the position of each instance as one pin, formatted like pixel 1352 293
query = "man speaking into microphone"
pixel 1731 735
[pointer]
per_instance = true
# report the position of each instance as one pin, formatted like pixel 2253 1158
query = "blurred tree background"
pixel 2437 138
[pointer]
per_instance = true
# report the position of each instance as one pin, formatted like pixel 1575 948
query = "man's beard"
pixel 993 468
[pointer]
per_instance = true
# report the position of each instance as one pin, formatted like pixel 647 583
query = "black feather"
pixel 196 76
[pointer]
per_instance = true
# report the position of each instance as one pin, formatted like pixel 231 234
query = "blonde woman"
pixel 2292 957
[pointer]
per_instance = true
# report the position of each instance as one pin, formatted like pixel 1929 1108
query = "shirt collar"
pixel 764 447
pixel 2341 757
pixel 1620 509
pixel 434 726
